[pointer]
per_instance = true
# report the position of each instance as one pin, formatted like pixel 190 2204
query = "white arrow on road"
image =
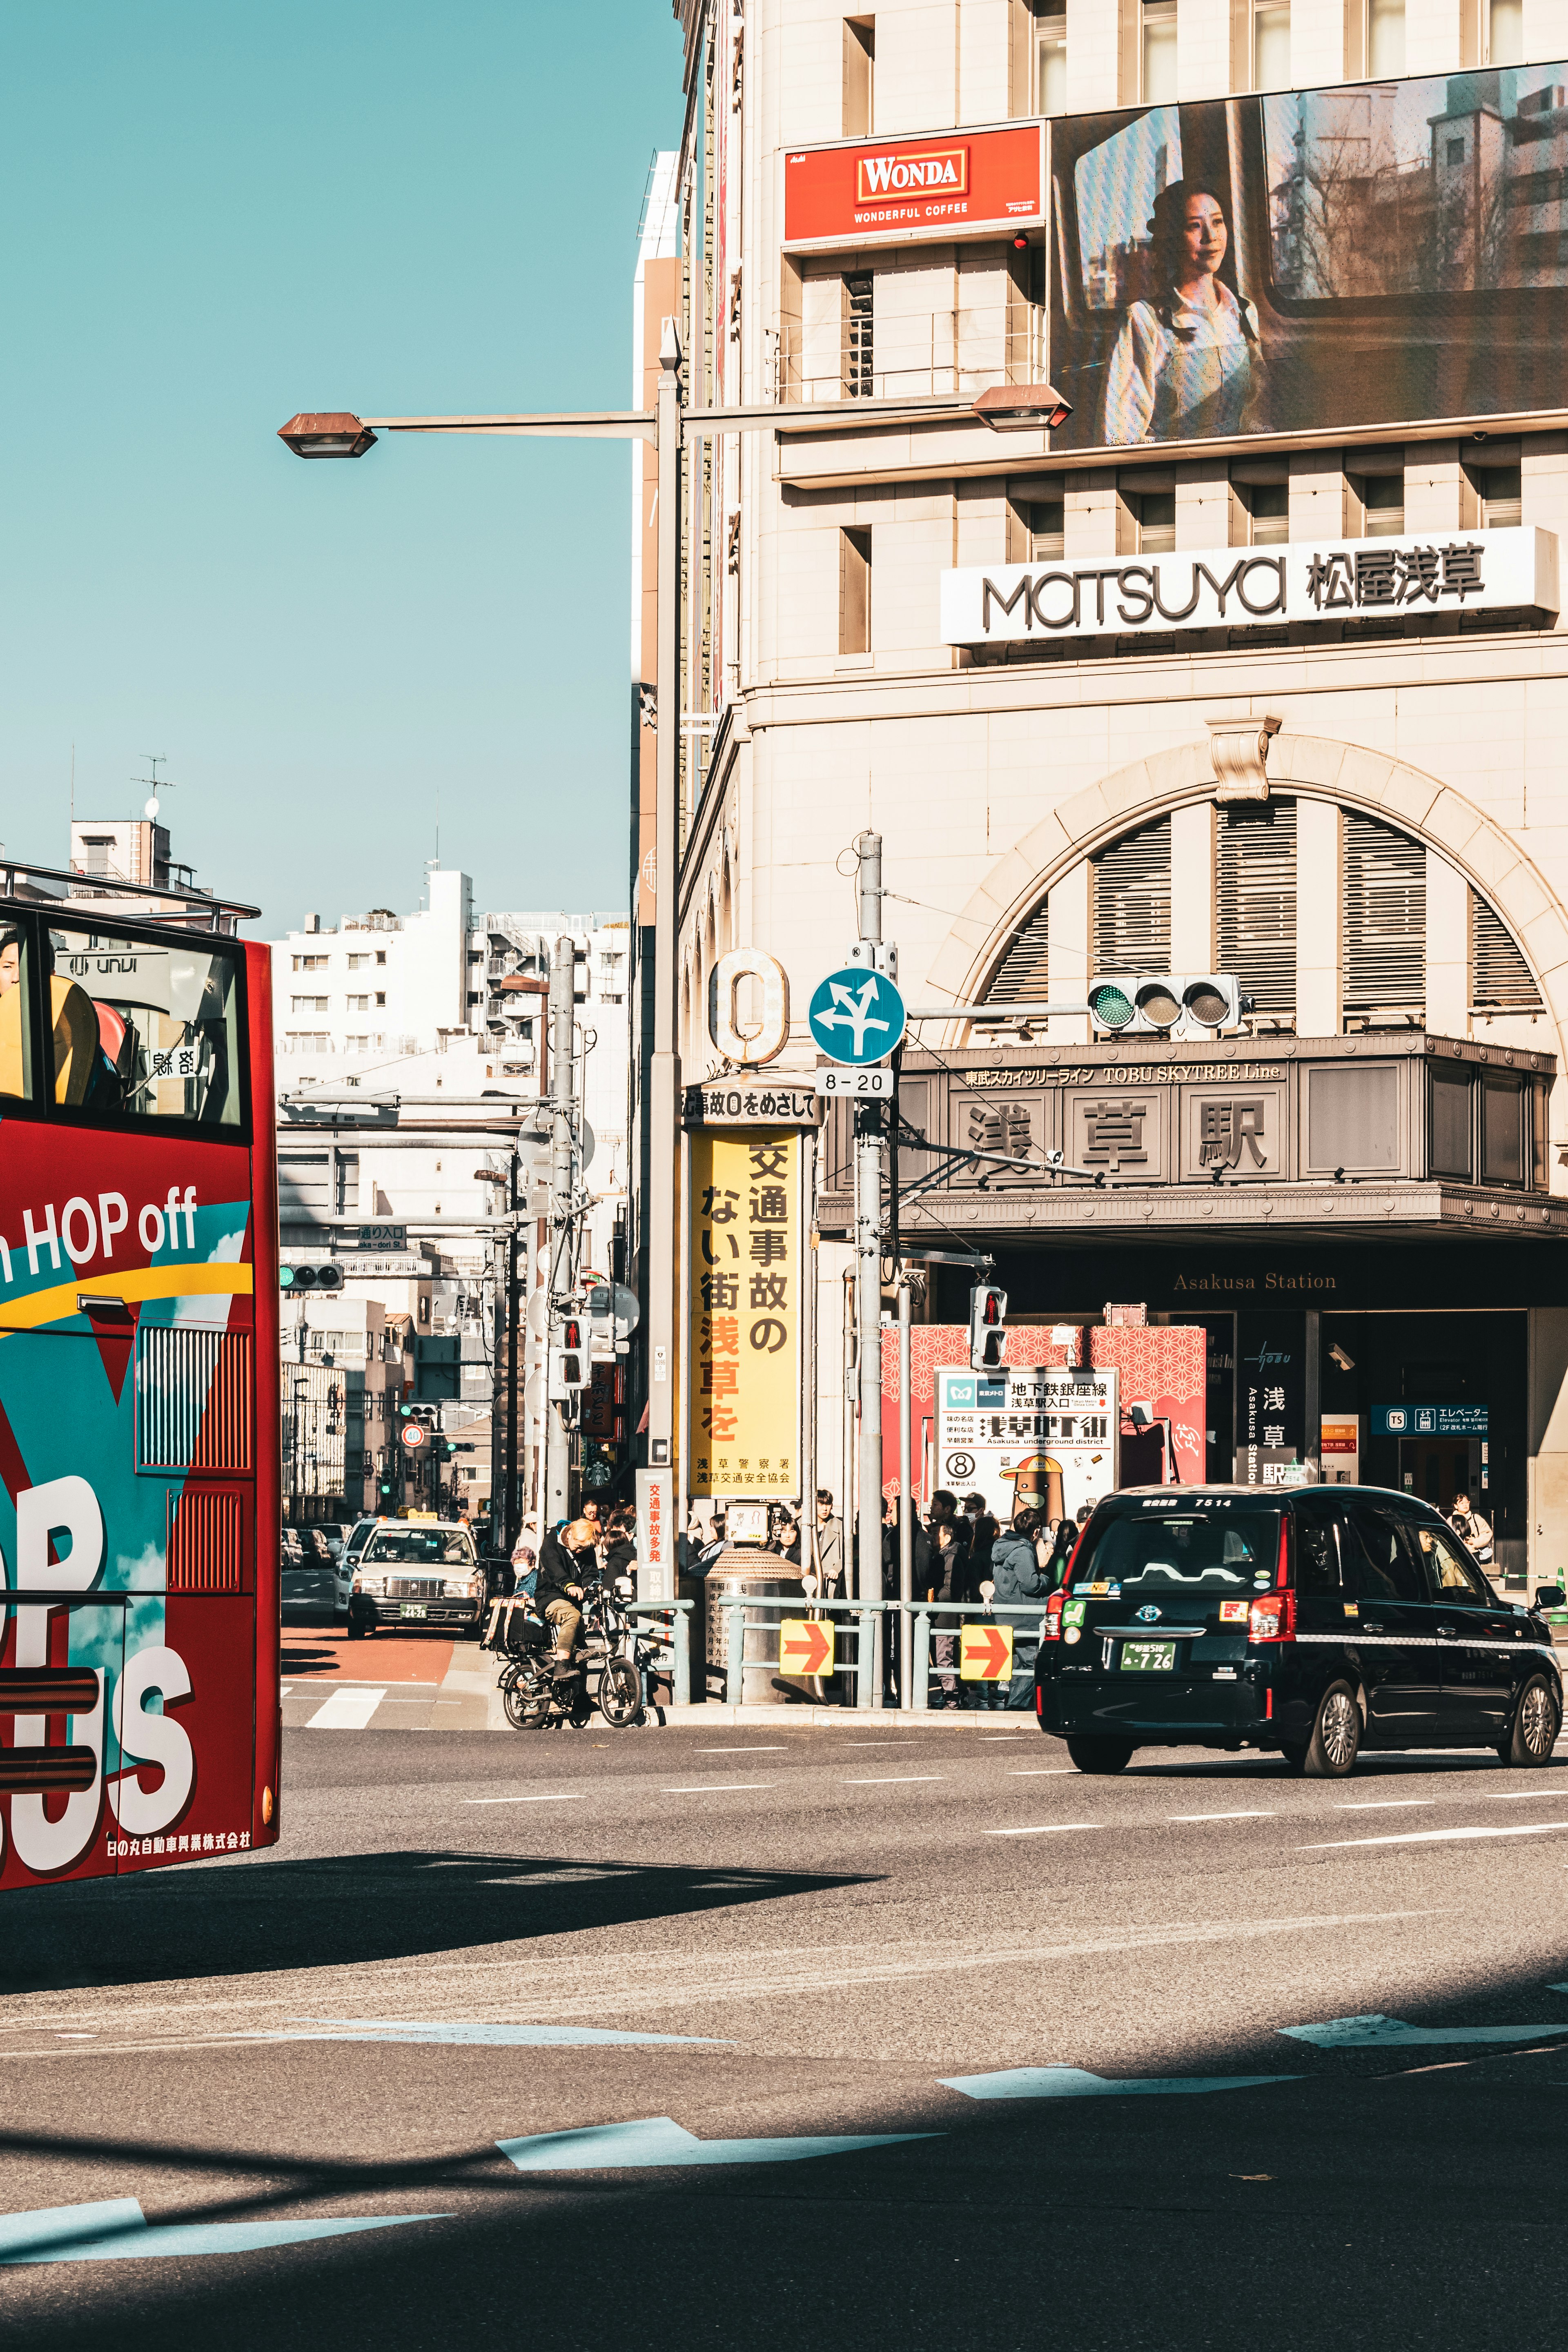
pixel 115 2230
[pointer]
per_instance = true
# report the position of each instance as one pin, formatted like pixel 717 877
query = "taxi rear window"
pixel 1210 1550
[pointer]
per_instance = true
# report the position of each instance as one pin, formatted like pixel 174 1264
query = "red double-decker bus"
pixel 138 1411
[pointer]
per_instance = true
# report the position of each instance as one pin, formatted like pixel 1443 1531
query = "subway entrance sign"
pixel 984 1654
pixel 806 1646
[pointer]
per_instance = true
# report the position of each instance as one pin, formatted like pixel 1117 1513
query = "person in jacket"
pixel 1473 1531
pixel 1018 1576
pixel 559 1592
pixel 829 1548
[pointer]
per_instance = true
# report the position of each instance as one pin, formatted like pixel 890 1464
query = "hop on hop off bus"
pixel 138 1410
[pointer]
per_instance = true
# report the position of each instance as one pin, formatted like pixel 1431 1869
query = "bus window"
pixel 144 1029
pixel 15 1041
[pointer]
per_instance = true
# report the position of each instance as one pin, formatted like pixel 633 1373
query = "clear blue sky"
pixel 214 217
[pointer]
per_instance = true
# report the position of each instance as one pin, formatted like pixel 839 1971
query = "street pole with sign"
pixel 868 1274
pixel 563 1068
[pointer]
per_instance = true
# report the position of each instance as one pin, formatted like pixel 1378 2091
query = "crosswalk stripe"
pixel 346 1710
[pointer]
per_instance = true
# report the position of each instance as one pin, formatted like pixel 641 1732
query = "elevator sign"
pixel 1429 1420
pixel 1031 1434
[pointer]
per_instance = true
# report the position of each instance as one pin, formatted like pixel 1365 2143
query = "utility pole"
pixel 563 1068
pixel 869 1268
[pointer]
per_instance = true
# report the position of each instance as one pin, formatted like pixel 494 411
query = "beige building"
pixel 1356 802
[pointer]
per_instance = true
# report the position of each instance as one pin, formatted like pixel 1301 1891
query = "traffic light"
pixel 309 1278
pixel 987 1326
pixel 569 1369
pixel 1166 1003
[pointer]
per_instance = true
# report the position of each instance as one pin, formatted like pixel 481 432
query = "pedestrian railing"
pixel 744 1613
pixel 674 1629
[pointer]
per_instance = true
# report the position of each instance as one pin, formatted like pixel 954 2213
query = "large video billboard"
pixel 1312 260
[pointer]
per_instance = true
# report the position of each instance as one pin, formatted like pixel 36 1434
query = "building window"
pixel 308 1004
pixel 1500 491
pixel 309 963
pixel 381 955
pixel 1385 38
pixel 854 592
pixel 1157 57
pixel 304 1041
pixel 1505 32
pixel 1271 57
pixel 1377 483
pixel 1263 494
pixel 356 1045
pixel 356 1004
pixel 857 336
pixel 358 963
pixel 1256 901
pixel 1132 901
pixel 1051 61
pixel 859 76
pixel 1023 976
pixel 1043 521
pixel 1385 899
pixel 1500 979
pixel 1152 511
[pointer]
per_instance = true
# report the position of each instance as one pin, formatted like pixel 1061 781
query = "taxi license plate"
pixel 415 1608
pixel 1148 1657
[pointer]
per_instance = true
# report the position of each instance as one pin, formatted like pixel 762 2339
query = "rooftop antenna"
pixel 155 760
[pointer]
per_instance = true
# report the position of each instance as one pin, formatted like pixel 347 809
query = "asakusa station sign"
pixel 1240 587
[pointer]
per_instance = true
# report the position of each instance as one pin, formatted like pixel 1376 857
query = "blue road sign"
pixel 856 1016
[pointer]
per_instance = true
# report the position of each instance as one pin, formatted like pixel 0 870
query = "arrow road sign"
pixel 856 1016
pixel 806 1646
pixel 984 1654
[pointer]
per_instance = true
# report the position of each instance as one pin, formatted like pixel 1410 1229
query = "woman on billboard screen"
pixel 1188 362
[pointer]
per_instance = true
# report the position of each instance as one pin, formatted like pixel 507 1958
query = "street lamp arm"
pixel 606 423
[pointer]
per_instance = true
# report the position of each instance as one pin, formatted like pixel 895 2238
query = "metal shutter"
pixel 1023 976
pixel 1133 902
pixel 1257 860
pixel 1500 977
pixel 1385 919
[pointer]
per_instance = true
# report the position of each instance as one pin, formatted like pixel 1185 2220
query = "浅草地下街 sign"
pixel 742 1375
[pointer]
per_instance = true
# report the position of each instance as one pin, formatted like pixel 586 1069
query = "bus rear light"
pixel 1273 1618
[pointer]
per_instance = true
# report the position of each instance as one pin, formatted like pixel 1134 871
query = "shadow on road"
pixel 244 1918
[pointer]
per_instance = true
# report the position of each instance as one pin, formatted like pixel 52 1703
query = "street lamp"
pixel 340 433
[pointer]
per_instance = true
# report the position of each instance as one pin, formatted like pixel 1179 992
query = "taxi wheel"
pixel 1101 1755
pixel 1336 1736
pixel 1534 1733
pixel 1294 1751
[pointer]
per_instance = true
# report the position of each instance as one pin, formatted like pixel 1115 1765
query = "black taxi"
pixel 1314 1622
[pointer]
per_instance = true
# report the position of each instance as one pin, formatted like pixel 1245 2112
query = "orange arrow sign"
pixel 806 1646
pixel 985 1653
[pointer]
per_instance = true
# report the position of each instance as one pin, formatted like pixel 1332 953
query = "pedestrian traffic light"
pixel 309 1278
pixel 987 1326
pixel 1166 1003
pixel 569 1367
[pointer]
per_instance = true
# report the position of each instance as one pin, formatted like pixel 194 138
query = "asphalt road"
pixel 840 1927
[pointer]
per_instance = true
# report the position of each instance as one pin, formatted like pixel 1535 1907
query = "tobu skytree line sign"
pixel 1240 587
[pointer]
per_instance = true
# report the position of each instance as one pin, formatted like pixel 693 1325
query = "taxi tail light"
pixel 1272 1618
pixel 1051 1622
pixel 1282 1567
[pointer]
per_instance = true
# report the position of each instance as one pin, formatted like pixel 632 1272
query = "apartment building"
pixel 1252 662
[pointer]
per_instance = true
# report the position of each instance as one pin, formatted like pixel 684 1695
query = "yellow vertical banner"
pixel 744 1257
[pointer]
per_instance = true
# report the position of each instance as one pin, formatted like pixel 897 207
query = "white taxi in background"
pixel 411 1573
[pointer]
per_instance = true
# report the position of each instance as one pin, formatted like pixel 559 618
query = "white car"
pixel 414 1572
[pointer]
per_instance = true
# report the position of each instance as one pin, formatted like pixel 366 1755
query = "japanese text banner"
pixel 1237 587
pixel 745 1275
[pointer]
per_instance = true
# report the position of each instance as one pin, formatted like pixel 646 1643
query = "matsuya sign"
pixel 1241 587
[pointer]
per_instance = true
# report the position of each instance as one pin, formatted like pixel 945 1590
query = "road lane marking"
pixel 1221 1817
pixel 1042 1771
pixel 659 2140
pixel 485 2034
pixel 1073 2083
pixel 778 1748
pixel 1517 1796
pixel 115 2228
pixel 1434 1837
pixel 346 1710
pixel 1044 1829
pixel 891 1780
pixel 716 1788
pixel 1376 2031
pixel 1383 1805
pixel 554 1797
